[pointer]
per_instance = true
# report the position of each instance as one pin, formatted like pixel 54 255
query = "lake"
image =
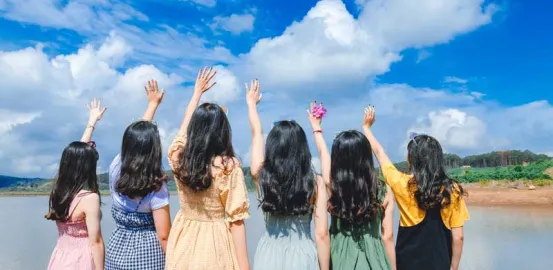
pixel 495 238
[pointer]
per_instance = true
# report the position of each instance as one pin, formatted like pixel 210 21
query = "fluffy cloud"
pixel 455 129
pixel 42 104
pixel 235 23
pixel 343 48
pixel 403 23
pixel 96 19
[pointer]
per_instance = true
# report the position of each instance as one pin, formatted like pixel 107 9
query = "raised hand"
pixel 203 81
pixel 253 96
pixel 370 117
pixel 95 111
pixel 315 119
pixel 152 91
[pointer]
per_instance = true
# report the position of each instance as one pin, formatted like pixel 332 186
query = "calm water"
pixel 495 238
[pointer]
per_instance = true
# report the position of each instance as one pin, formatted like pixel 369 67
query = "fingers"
pixel 211 85
pixel 155 85
pixel 260 97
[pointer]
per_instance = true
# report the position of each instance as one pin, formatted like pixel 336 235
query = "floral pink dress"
pixel 72 250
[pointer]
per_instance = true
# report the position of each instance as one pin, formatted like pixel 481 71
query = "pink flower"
pixel 319 111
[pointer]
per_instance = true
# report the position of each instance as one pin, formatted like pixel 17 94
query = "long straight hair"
pixel 77 171
pixel 141 167
pixel 209 135
pixel 287 178
pixel 354 181
pixel 431 185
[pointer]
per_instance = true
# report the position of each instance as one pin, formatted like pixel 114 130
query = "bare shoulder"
pixel 91 199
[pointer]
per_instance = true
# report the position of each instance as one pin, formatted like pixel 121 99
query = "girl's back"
pixel 72 250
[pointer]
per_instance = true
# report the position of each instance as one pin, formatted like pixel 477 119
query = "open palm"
pixel 95 110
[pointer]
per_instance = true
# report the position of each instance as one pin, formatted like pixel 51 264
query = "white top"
pixel 152 201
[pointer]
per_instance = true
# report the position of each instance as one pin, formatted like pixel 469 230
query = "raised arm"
pixel 315 119
pixel 93 217
pixel 322 236
pixel 378 150
pixel 203 83
pixel 154 99
pixel 95 113
pixel 253 96
pixel 387 227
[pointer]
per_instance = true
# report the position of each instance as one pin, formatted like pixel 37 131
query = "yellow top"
pixel 454 215
pixel 200 237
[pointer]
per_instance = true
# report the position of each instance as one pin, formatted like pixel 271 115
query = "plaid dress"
pixel 134 244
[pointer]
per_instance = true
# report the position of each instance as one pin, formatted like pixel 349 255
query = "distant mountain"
pixel 8 181
pixel 45 185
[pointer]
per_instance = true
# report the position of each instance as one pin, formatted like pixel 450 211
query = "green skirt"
pixel 357 247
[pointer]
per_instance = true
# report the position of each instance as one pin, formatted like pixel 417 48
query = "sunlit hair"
pixel 287 178
pixel 77 171
pixel 208 136
pixel 354 181
pixel 431 185
pixel 141 167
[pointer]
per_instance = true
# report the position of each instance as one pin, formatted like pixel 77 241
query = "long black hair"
pixel 209 135
pixel 77 171
pixel 287 178
pixel 141 168
pixel 431 185
pixel 354 181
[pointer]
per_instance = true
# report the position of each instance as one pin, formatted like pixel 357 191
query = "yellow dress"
pixel 200 237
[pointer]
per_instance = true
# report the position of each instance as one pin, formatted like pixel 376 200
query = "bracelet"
pixel 318 131
pixel 90 126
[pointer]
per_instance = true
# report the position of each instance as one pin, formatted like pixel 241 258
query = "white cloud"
pixel 206 3
pixel 452 79
pixel 329 45
pixel 454 129
pixel 423 55
pixel 96 19
pixel 404 23
pixel 235 23
pixel 55 89
pixel 10 119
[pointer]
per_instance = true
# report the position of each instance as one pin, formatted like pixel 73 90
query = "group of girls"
pixel 208 231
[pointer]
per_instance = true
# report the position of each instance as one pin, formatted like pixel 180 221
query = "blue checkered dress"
pixel 134 244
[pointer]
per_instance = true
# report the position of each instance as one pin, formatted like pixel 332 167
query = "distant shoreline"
pixel 479 194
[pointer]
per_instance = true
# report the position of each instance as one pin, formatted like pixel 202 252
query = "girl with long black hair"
pixel 140 195
pixel 431 205
pixel 291 195
pixel 209 230
pixel 360 204
pixel 75 203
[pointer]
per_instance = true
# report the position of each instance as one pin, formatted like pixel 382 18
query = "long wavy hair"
pixel 208 136
pixel 77 171
pixel 287 178
pixel 354 181
pixel 431 185
pixel 141 167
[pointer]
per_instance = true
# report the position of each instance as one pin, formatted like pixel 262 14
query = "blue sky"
pixel 472 73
